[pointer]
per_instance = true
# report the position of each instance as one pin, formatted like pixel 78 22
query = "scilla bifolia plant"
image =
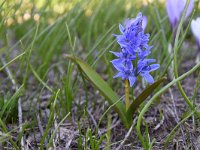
pixel 132 60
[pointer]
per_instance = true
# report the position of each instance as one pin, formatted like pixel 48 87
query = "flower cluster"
pixel 132 61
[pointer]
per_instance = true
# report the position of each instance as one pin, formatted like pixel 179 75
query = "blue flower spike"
pixel 132 61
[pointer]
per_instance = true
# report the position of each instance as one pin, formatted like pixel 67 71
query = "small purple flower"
pixel 126 71
pixel 175 9
pixel 144 67
pixel 131 61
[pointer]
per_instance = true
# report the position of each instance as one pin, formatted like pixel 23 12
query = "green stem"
pixel 176 47
pixel 127 88
pixel 156 96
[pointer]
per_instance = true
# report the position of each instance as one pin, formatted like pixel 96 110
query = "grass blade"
pixel 171 134
pixel 103 87
pixel 11 104
pixel 141 98
pixel 17 57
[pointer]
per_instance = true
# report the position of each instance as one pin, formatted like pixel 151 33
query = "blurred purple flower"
pixel 132 62
pixel 144 22
pixel 195 27
pixel 175 9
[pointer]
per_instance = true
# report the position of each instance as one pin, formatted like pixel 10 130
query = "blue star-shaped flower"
pixel 132 61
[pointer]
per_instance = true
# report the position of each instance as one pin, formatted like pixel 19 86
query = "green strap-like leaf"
pixel 103 87
pixel 141 98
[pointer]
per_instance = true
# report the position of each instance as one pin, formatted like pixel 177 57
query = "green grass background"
pixel 40 32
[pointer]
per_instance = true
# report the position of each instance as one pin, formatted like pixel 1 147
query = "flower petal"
pixel 132 80
pixel 118 54
pixel 175 9
pixel 117 63
pixel 144 22
pixel 154 67
pixel 129 65
pixel 121 39
pixel 119 74
pixel 142 54
pixel 147 77
pixel 190 8
pixel 195 27
pixel 121 28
